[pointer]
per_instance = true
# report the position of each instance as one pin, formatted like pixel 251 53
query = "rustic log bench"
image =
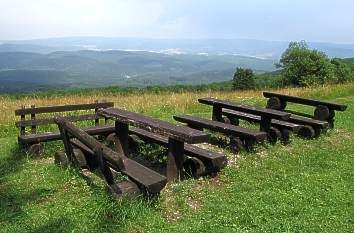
pixel 266 115
pixel 284 127
pixel 82 149
pixel 324 111
pixel 201 161
pixel 177 136
pixel 31 141
pixel 239 137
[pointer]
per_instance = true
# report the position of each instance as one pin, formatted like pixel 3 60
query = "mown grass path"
pixel 306 186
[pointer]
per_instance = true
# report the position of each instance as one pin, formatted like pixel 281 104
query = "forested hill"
pixel 26 72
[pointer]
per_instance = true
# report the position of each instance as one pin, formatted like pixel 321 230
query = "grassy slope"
pixel 304 186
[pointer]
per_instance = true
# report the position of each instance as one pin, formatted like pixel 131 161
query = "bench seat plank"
pixel 270 113
pixel 52 136
pixel 180 133
pixel 305 101
pixel 209 158
pixel 308 121
pixel 231 130
pixel 257 119
pixel 151 180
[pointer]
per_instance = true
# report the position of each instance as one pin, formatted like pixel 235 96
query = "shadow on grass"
pixel 56 225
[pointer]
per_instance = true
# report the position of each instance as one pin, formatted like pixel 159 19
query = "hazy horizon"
pixel 287 20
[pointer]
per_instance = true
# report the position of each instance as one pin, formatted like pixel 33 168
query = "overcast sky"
pixel 311 20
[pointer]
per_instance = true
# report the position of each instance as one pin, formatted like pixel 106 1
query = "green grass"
pixel 306 186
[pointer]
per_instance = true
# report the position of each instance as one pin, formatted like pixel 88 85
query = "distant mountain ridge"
pixel 243 47
pixel 26 71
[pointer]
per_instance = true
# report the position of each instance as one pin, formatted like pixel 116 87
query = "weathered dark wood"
pixel 308 121
pixel 63 108
pixel 276 103
pixel 33 117
pixel 53 136
pixel 147 179
pixel 300 100
pixel 269 113
pixel 230 130
pixel 23 117
pixel 122 133
pixel 257 119
pixel 89 141
pixel 213 161
pixel 48 121
pixel 180 133
pixel 175 159
pixel 321 113
pixel 67 145
pixel 217 113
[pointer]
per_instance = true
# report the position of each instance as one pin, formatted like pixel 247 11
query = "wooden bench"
pixel 92 151
pixel 324 111
pixel 266 115
pixel 32 139
pixel 284 127
pixel 212 162
pixel 239 136
pixel 177 136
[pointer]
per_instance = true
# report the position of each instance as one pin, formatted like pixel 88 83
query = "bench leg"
pixel 122 131
pixel 285 136
pixel 217 113
pixel 35 149
pixel 175 159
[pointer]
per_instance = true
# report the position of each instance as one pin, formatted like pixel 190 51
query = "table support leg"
pixel 217 113
pixel 175 159
pixel 122 131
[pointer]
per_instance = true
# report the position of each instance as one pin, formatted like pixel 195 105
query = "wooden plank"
pixel 48 121
pixel 181 133
pixel 212 160
pixel 305 101
pixel 91 142
pixel 175 159
pixel 308 121
pixel 33 118
pixel 257 119
pixel 269 113
pixel 63 108
pixel 230 130
pixel 53 136
pixel 151 180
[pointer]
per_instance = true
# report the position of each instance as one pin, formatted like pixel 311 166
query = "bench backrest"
pixel 263 112
pixel 69 130
pixel 33 111
pixel 305 101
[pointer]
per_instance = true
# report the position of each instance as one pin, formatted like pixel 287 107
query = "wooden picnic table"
pixel 177 136
pixel 266 114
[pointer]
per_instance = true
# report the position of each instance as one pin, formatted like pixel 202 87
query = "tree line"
pixel 300 66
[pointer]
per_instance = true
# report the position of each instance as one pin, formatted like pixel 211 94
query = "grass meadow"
pixel 305 186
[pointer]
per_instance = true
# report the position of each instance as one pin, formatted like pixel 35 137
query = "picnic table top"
pixel 306 101
pixel 180 133
pixel 270 113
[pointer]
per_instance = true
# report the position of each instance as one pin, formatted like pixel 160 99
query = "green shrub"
pixel 243 79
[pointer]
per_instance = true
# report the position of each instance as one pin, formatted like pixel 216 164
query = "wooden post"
pixel 265 124
pixel 106 171
pixel 23 128
pixel 67 145
pixel 97 120
pixel 175 159
pixel 217 113
pixel 122 133
pixel 33 117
